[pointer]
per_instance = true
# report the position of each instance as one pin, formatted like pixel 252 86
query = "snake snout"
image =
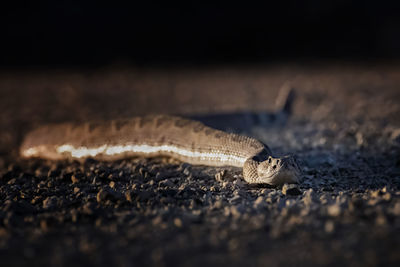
pixel 278 163
pixel 278 170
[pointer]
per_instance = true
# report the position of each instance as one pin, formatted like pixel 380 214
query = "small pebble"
pixel 329 226
pixel 102 195
pixel 178 222
pixel 220 175
pixel 108 193
pixel 396 209
pixel 386 197
pixel 74 179
pixel 334 210
pixel 291 190
pixel 395 136
pixel 50 202
pixel 380 220
pixel 258 201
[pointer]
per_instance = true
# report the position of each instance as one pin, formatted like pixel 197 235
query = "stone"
pixel 235 199
pixel 166 183
pixel 386 197
pixel 234 211
pixel 291 190
pixel 396 209
pixel 187 170
pixel 220 175
pixel 258 202
pixel 157 220
pixel 309 197
pixel 74 179
pixel 102 195
pixel 334 210
pixel 12 181
pixel 329 226
pixel 50 202
pixel 130 196
pixel 178 222
pixel 108 193
pixel 380 220
pixel 395 135
pixel 88 208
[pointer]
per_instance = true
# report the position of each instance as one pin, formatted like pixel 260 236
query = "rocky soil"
pixel 345 130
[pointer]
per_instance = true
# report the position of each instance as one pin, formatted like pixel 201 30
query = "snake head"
pixel 276 171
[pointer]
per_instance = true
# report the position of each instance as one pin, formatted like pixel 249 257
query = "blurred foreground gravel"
pixel 345 131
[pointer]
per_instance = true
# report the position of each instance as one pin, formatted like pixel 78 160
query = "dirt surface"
pixel 345 130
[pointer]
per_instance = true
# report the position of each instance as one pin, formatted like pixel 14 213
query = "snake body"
pixel 160 135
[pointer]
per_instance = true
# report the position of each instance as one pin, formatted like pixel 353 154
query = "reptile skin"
pixel 161 135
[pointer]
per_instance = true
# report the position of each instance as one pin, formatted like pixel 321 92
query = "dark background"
pixel 88 33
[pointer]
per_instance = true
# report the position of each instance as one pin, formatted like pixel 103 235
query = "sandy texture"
pixel 345 130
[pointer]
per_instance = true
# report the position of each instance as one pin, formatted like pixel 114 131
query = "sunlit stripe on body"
pixel 82 152
pixel 32 151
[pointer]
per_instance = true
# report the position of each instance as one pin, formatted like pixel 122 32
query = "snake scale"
pixel 161 135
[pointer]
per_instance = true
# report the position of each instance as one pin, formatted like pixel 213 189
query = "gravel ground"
pixel 345 130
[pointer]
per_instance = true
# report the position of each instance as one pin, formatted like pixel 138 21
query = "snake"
pixel 160 135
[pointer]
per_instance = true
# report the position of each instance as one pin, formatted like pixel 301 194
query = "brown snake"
pixel 161 135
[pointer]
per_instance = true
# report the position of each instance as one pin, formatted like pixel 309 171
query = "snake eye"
pixel 269 160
